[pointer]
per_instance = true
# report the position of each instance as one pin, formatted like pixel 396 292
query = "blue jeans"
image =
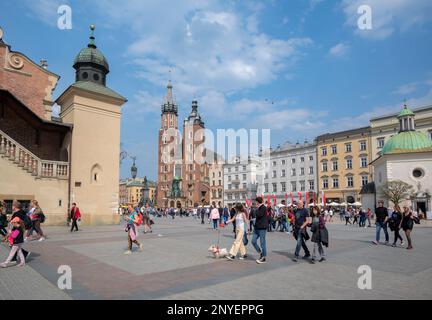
pixel 301 244
pixel 261 234
pixel 215 223
pixel 379 226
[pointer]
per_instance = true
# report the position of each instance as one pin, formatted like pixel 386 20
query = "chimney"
pixel 44 64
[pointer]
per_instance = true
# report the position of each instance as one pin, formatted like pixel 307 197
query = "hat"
pixel 16 219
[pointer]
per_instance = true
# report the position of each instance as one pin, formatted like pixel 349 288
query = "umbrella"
pixel 357 203
pixel 334 204
pixel 343 204
pixel 280 205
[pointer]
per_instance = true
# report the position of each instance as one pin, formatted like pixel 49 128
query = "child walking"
pixel 16 239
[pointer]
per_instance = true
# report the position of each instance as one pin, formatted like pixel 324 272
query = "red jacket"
pixel 75 213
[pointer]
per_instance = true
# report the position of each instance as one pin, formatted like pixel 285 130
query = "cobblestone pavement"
pixel 175 264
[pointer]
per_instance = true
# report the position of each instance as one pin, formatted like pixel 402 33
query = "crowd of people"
pixel 256 220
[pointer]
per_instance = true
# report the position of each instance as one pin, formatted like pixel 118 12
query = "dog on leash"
pixel 218 252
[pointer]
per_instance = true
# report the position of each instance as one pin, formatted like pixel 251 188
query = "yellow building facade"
pixel 343 164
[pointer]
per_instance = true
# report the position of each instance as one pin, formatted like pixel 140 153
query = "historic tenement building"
pixel 183 170
pixel 65 159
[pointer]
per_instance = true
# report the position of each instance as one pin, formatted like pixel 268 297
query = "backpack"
pixel 140 219
pixel 27 222
pixel 41 217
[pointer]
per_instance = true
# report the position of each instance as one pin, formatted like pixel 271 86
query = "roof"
pixel 343 133
pixel 406 142
pixel 405 112
pixel 392 115
pixel 134 183
pixel 91 54
pixel 97 88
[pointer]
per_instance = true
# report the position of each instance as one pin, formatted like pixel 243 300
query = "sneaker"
pixel 241 257
pixel 312 261
pixel 261 261
pixel 245 256
pixel 3 265
pixel 402 243
pixel 21 265
pixel 306 256
pixel 230 258
pixel 295 259
pixel 322 259
pixel 394 245
pixel 128 252
pixel 41 239
pixel 375 242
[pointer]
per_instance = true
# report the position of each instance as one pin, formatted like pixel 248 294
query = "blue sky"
pixel 301 68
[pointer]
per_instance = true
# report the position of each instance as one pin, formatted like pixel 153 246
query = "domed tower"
pixel 94 110
pixel 90 64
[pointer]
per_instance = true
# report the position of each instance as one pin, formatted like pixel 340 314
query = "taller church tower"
pixel 94 110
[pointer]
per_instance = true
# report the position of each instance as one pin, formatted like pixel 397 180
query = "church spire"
pixel 406 119
pixel 169 105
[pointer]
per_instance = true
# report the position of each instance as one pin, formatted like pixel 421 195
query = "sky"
pixel 298 67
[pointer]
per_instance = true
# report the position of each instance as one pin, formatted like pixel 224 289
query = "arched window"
pixel 96 174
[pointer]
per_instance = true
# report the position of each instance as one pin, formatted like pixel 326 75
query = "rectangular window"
pixel 362 145
pixel 350 182
pixel 293 172
pixel 302 172
pixel 283 186
pixel 334 149
pixel 266 175
pixel 335 165
pixel 335 183
pixel 274 174
pixel 236 169
pixel 364 180
pixel 302 186
pixel 323 151
pixel 244 176
pixel 325 183
pixel 311 170
pixel 244 186
pixel 324 166
pixel 244 168
pixel 283 173
pixel 266 187
pixel 349 164
pixel 311 185
pixel 302 159
pixel 274 163
pixel 293 160
pixel 293 186
pixel 274 187
pixel 310 158
pixel 381 142
pixel 363 162
pixel 348 147
pixel 283 162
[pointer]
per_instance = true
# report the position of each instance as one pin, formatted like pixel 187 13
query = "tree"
pixel 396 191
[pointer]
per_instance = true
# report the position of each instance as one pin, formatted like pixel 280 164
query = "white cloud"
pixel 388 16
pixel 339 50
pixel 406 89
pixel 46 10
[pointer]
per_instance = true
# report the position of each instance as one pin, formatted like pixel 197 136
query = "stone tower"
pixel 94 110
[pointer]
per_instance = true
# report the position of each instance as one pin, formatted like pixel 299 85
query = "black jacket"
pixel 262 221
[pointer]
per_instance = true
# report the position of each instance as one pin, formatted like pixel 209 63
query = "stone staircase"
pixel 30 163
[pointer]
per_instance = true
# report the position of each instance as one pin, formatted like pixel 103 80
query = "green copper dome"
pixel 407 141
pixel 405 112
pixel 91 54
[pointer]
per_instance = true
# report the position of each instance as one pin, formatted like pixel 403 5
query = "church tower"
pixel 94 110
pixel 196 171
pixel 169 148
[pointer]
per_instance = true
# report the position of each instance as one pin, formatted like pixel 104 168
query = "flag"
pixel 323 198
pixel 307 198
pixel 268 200
pixel 274 199
pixel 292 197
pixel 299 195
pixel 246 200
pixel 286 197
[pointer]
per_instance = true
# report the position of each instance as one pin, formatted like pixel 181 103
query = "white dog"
pixel 218 252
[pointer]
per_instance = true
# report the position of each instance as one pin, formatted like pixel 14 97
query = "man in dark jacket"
pixel 381 214
pixel 261 225
pixel 301 221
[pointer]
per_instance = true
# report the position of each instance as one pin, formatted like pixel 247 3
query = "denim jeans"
pixel 301 244
pixel 379 226
pixel 261 234
pixel 215 223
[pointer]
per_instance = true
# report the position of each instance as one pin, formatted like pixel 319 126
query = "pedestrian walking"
pixel 301 221
pixel 37 217
pixel 369 217
pixel 381 214
pixel 133 221
pixel 16 240
pixel 3 221
pixel 75 215
pixel 407 224
pixel 214 216
pixel 260 229
pixel 319 235
pixel 348 216
pixel 242 223
pixel 394 224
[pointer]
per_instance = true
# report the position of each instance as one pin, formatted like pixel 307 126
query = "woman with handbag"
pixel 242 225
pixel 407 224
pixel 317 226
pixel 395 225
